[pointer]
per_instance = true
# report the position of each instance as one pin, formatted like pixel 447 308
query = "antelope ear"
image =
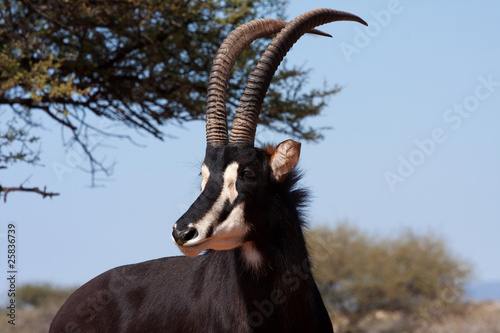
pixel 284 159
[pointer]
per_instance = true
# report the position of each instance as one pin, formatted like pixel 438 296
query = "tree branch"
pixel 43 192
pixel 48 17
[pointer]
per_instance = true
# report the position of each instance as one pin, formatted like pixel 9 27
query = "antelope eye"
pixel 247 173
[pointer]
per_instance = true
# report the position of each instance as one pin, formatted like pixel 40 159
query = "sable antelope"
pixel 255 275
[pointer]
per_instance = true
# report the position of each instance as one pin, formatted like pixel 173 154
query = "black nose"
pixel 181 237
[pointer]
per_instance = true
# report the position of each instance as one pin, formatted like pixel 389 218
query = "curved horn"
pixel 247 114
pixel 224 60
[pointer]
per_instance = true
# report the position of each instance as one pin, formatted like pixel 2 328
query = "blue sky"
pixel 414 145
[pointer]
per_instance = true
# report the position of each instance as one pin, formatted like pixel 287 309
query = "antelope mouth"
pixel 192 249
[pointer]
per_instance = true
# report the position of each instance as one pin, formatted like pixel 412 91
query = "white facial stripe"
pixel 229 188
pixel 234 225
pixel 228 234
pixel 205 174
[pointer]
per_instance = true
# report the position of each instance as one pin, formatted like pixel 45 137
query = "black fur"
pixel 217 291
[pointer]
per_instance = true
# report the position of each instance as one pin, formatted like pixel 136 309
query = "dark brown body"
pixel 208 293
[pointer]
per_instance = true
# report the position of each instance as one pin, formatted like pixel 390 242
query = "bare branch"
pixel 43 192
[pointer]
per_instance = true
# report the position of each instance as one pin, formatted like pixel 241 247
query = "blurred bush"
pixel 39 294
pixel 36 306
pixel 360 274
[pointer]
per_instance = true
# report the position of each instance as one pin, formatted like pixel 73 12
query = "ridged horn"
pixel 224 60
pixel 222 66
pixel 247 114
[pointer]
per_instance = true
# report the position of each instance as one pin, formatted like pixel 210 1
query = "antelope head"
pixel 239 180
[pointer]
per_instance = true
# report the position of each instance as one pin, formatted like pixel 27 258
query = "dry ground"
pixel 478 318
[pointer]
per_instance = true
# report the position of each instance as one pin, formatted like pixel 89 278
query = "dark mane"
pixel 301 196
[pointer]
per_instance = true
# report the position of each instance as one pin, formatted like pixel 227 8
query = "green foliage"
pixel 359 273
pixel 16 144
pixel 139 63
pixel 40 294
